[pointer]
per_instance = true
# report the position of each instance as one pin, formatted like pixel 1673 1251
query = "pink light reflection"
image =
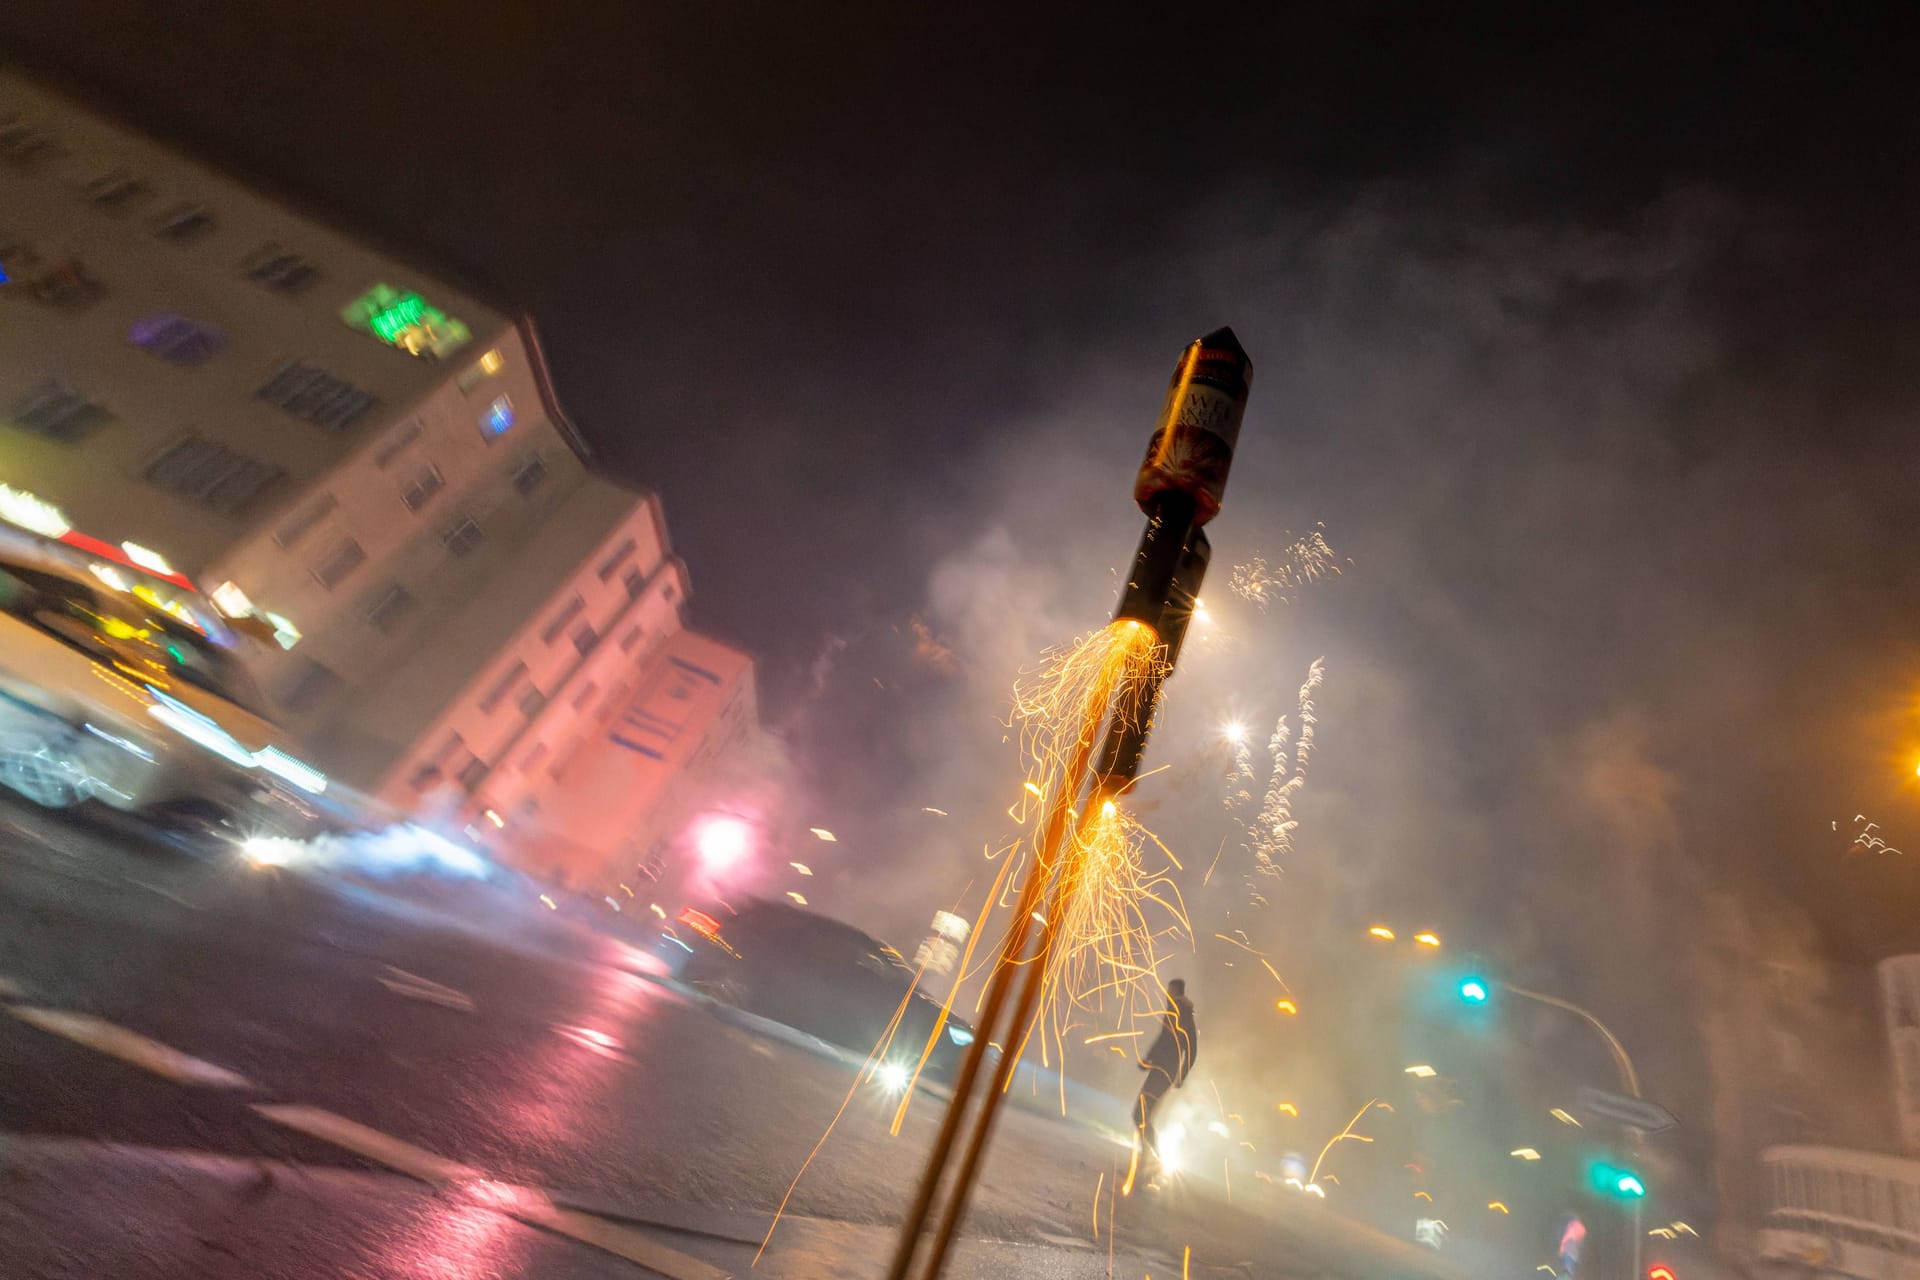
pixel 724 842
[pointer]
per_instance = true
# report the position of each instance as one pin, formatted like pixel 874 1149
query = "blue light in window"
pixel 499 417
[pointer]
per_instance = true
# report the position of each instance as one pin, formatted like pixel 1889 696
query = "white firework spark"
pixel 1865 840
pixel 1269 832
pixel 1305 560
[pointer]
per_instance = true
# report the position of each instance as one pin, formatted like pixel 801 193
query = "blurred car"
pixel 108 697
pixel 819 976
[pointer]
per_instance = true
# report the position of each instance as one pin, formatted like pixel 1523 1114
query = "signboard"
pixel 1635 1113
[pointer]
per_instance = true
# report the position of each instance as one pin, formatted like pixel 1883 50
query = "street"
pixel 322 1079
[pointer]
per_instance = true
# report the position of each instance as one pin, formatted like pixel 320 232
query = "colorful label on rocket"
pixel 1188 458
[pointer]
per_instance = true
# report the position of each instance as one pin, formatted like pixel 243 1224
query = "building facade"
pixel 366 456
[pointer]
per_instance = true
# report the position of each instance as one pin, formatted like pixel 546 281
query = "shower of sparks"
pixel 1304 561
pixel 1866 839
pixel 1269 832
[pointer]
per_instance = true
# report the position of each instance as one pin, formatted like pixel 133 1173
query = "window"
pixel 635 582
pixel 485 367
pixel 57 412
pixel 529 475
pixel 310 684
pixel 462 537
pixel 316 395
pixel 568 613
pixel 474 774
pixel 184 224
pixel 630 641
pixel 389 607
pixel 117 191
pixel 506 685
pixel 585 638
pixel 211 475
pixel 67 284
pixel 177 340
pixel 404 319
pixel 498 417
pixel 582 698
pixel 398 443
pixel 420 490
pixel 25 146
pixel 535 754
pixel 295 527
pixel 343 560
pixel 531 701
pixel 621 554
pixel 273 266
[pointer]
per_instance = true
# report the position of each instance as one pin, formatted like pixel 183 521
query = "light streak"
pixel 1865 841
pixel 1421 1195
pixel 802 868
pixel 1498 1206
pixel 1427 939
pixel 1290 1109
pixel 1098 1184
pixel 797 897
pixel 941 813
pixel 551 905
pixel 1564 1118
pixel 1303 561
pixel 1421 1071
pixel 1381 932
pixel 1524 1153
pixel 821 833
pixel 1346 1134
pixel 1287 1007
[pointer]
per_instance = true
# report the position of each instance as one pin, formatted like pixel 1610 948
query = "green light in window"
pixel 405 320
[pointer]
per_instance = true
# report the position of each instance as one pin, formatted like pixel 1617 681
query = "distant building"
pixel 364 454
pixel 1839 1211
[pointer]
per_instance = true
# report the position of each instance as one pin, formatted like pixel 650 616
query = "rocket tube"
pixel 1126 740
pixel 1192 446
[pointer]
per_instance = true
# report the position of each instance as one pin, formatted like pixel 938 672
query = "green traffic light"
pixel 1473 991
pixel 1616 1181
pixel 1629 1186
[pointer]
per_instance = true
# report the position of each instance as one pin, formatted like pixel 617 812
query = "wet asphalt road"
pixel 474 1025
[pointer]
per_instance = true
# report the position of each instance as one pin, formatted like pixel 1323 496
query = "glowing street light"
pixel 1234 731
pixel 1421 1071
pixel 1381 932
pixel 1427 939
pixel 1524 1153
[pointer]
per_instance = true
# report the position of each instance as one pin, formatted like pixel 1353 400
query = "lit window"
pixel 463 537
pixel 406 320
pixel 184 223
pixel 211 475
pixel 295 528
pixel 174 338
pixel 345 558
pixel 529 475
pixel 422 488
pixel 492 362
pixel 58 412
pixel 498 418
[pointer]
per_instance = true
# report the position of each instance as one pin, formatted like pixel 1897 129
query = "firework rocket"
pixel 1180 486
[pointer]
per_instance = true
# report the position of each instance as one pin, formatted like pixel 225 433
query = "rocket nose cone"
pixel 1223 339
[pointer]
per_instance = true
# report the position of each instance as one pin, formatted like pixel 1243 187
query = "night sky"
pixel 1591 341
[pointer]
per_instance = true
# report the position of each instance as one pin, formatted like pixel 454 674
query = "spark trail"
pixel 1303 561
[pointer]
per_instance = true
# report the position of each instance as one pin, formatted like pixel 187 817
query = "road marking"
pixel 414 987
pixel 524 1204
pixel 130 1046
pixel 415 1162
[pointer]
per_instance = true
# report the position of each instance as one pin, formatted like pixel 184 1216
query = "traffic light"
pixel 1474 990
pixel 1613 1180
pixel 1659 1271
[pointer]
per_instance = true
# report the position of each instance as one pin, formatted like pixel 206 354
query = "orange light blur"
pixel 1381 932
